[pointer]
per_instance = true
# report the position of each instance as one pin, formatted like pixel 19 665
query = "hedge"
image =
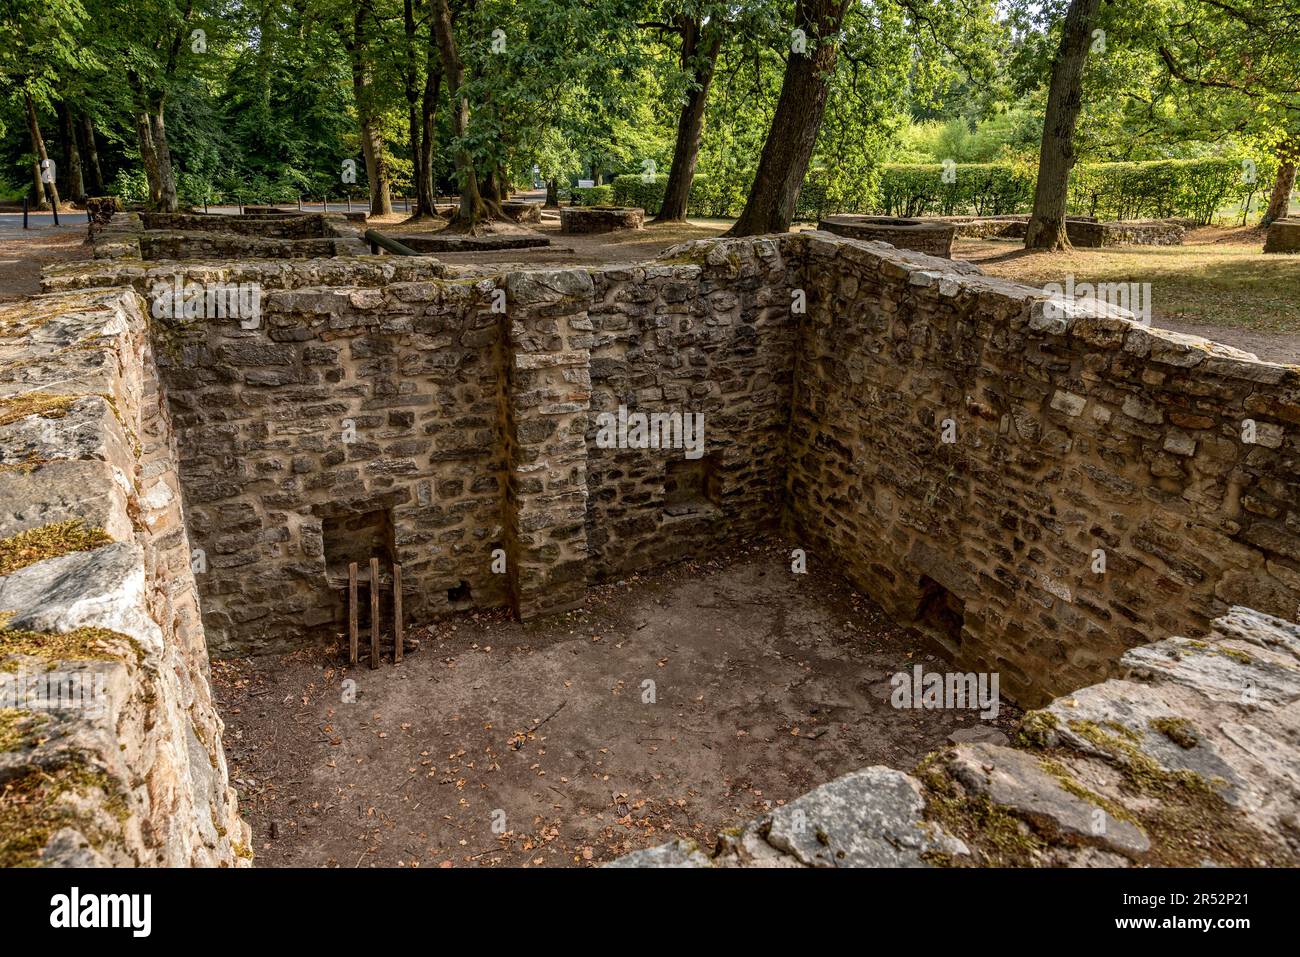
pixel 1159 189
pixel 707 198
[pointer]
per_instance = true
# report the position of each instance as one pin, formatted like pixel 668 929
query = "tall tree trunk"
pixel 71 154
pixel 1056 156
pixel 372 142
pixel 148 158
pixel 93 172
pixel 415 115
pixel 168 201
pixel 699 59
pixel 798 118
pixel 45 192
pixel 473 209
pixel 429 112
pixel 1279 202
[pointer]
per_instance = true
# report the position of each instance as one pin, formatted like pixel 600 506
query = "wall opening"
pixel 357 537
pixel 692 487
pixel 941 613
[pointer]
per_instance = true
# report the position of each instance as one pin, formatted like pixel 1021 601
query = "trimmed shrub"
pixel 706 199
pixel 594 195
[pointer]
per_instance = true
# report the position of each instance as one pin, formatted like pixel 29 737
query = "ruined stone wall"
pixel 1070 434
pixel 96 588
pixel 351 421
pixel 715 338
pixel 187 236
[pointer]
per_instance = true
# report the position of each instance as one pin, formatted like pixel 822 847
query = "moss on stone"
pixel 1036 729
pixel 81 644
pixel 49 541
pixel 1064 778
pixel 33 809
pixel 1185 814
pixel 18 725
pixel 998 837
pixel 1178 730
pixel 47 405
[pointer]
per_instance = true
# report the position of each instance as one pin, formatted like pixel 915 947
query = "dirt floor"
pixel 22 255
pixel 765 684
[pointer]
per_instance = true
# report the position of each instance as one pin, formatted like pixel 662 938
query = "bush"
pixel 1160 189
pixel 706 199
pixel 593 195
pixel 983 189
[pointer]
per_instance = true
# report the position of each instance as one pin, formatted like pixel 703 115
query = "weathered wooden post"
pixel 352 613
pixel 374 613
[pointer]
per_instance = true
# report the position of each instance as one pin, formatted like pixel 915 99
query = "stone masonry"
pixel 96 587
pixel 1040 488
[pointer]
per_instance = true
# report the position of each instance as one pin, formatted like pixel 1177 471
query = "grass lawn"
pixel 1219 277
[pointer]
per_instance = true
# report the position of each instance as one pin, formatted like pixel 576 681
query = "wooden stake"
pixel 374 613
pixel 352 613
pixel 398 630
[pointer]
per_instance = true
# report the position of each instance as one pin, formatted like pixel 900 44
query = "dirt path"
pixel 22 255
pixel 765 684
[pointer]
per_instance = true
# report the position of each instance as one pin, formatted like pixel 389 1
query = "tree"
pixel 1057 154
pixel 701 29
pixel 797 120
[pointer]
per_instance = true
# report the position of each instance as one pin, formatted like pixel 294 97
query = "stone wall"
pixel 933 237
pixel 600 219
pixel 184 236
pixel 476 401
pixel 96 591
pixel 353 421
pixel 1146 232
pixel 1283 236
pixel 714 338
pixel 1177 458
pixel 1188 760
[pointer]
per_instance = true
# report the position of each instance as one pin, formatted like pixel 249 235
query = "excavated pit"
pixel 944 454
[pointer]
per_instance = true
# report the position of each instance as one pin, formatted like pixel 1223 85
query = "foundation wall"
pixel 1069 434
pixel 362 417
pixel 98 593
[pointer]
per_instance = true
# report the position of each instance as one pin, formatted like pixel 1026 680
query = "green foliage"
pixel 594 195
pixel 983 189
pixel 1194 189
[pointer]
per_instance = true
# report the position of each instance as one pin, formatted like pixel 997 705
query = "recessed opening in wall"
pixel 691 487
pixel 357 536
pixel 459 596
pixel 941 613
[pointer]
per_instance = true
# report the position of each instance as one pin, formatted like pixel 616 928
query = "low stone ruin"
pixel 600 219
pixel 1041 489
pixel 923 236
pixel 176 236
pixel 1083 231
pixel 1283 236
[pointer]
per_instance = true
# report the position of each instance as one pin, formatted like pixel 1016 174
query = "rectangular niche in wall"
pixel 941 613
pixel 692 487
pixel 357 536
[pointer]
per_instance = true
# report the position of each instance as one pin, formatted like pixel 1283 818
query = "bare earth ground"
pixel 766 684
pixel 23 255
